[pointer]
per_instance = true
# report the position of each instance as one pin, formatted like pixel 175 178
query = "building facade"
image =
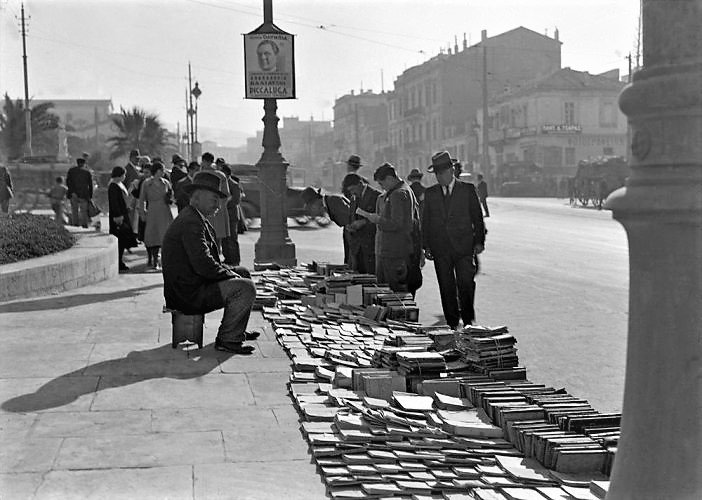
pixel 556 121
pixel 433 105
pixel 361 127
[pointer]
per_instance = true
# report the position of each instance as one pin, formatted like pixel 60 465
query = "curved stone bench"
pixel 93 258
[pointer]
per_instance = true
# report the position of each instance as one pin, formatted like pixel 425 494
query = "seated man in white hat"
pixel 194 279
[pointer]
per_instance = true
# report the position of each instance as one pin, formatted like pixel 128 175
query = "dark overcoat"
pixel 455 227
pixel 191 262
pixel 79 181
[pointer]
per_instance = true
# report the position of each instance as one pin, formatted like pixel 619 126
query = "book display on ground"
pixel 391 408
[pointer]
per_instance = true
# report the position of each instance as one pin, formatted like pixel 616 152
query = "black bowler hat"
pixel 134 152
pixel 205 180
pixel 354 161
pixel 414 174
pixel 440 161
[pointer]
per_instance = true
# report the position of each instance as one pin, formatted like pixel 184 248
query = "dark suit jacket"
pixel 190 262
pixel 80 182
pixel 338 209
pixel 366 235
pixel 458 230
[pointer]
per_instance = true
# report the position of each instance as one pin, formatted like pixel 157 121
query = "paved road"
pixel 556 275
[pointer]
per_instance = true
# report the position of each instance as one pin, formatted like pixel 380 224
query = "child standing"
pixel 57 195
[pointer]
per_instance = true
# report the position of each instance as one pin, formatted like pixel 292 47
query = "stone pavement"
pixel 94 403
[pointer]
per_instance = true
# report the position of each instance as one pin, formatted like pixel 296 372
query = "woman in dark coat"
pixel 120 225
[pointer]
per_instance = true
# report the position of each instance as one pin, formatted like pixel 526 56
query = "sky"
pixel 136 52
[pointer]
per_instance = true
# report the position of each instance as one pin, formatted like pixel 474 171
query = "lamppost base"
pixel 280 252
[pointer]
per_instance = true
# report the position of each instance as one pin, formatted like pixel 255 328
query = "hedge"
pixel 25 236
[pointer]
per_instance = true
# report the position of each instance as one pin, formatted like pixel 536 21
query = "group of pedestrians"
pixel 392 230
pixel 141 194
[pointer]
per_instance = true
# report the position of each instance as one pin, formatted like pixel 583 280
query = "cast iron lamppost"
pixel 274 244
pixel 196 93
pixel 660 451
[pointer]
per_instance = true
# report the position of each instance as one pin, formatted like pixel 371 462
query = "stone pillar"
pixel 274 244
pixel 660 453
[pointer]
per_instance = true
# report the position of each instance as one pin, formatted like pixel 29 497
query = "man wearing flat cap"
pixel 453 233
pixel 195 281
pixel 395 216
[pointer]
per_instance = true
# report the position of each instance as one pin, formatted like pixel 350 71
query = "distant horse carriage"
pixel 595 179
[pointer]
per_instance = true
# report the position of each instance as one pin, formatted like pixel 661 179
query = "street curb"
pixel 93 258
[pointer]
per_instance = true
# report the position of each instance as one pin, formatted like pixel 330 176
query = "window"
pixel 570 156
pixel 608 115
pixel 569 113
pixel 607 151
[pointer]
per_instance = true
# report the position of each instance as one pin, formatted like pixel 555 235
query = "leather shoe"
pixel 252 335
pixel 233 347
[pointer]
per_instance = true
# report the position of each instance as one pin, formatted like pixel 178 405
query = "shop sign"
pixel 560 129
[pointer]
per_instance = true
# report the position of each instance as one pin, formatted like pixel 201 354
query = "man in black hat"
pixel 453 235
pixel 415 180
pixel 195 281
pixel 353 164
pixel 131 167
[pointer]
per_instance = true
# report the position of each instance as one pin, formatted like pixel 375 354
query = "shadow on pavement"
pixel 135 367
pixel 66 301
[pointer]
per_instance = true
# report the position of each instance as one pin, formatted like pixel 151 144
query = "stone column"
pixel 274 244
pixel 660 453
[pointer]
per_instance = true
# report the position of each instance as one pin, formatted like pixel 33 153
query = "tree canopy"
pixel 12 127
pixel 138 129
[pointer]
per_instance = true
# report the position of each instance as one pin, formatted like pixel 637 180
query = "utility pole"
pixel 486 137
pixel 27 111
pixel 191 114
pixel 188 146
pixel 629 58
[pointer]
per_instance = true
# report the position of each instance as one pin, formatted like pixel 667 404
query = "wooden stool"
pixel 186 327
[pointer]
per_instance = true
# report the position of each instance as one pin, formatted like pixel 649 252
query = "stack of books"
pixel 423 363
pixel 486 349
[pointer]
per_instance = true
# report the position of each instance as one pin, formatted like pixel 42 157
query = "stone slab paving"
pixel 95 404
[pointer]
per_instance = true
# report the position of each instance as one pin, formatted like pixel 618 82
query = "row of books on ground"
pixel 395 409
pixel 338 286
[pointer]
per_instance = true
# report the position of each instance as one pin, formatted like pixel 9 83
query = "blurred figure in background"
pixel 120 225
pixel 6 189
pixel 230 244
pixel 57 196
pixel 154 206
pixel 79 181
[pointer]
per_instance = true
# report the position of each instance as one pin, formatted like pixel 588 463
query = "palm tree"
pixel 138 130
pixel 12 126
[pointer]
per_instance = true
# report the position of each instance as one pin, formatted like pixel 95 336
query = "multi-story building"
pixel 433 105
pixel 361 127
pixel 558 120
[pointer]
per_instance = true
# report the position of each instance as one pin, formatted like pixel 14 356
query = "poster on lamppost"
pixel 269 65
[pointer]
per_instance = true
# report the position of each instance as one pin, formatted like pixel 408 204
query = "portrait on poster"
pixel 269 65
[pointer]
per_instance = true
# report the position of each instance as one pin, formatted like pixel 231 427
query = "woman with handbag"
pixel 120 225
pixel 155 207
